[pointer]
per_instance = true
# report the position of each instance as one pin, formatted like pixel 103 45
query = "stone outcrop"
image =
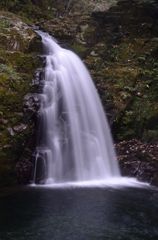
pixel 15 35
pixel 17 66
pixel 119 47
pixel 139 160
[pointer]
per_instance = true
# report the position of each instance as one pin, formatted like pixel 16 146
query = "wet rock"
pixel 39 172
pixel 154 180
pixel 32 104
pixel 23 35
pixel 4 120
pixel 24 169
pixel 35 44
pixel 17 66
pixel 19 113
pixel 10 130
pixel 138 159
pixel 7 146
pixel 30 112
pixel 18 128
pixel 111 115
pixel 24 126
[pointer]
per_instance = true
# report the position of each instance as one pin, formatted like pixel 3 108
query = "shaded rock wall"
pixel 120 49
pixel 138 159
pixel 17 66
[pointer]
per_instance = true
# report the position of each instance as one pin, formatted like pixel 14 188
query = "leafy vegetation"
pixel 4 24
pixel 38 10
pixel 11 74
pixel 16 71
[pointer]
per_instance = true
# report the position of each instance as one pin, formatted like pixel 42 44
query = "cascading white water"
pixel 76 140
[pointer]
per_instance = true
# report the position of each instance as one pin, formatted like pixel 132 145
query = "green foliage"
pixel 142 58
pixel 129 113
pixel 4 24
pixel 10 73
pixel 41 10
pixel 155 39
pixel 130 89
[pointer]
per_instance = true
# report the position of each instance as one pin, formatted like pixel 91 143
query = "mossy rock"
pixel 17 66
pixel 79 49
pixel 7 175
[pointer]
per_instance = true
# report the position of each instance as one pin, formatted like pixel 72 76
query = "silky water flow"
pixel 74 141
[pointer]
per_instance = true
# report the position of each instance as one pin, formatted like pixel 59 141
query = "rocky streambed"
pixel 139 160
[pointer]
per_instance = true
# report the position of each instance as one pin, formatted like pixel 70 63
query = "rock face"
pixel 15 35
pixel 120 48
pixel 17 66
pixel 139 160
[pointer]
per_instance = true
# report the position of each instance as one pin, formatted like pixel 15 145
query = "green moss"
pixel 16 70
pixel 79 49
pixel 89 35
pixel 4 23
pixel 26 64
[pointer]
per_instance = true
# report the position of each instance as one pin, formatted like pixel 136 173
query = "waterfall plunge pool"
pixel 80 212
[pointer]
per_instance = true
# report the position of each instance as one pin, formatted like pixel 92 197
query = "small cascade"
pixel 35 167
pixel 74 142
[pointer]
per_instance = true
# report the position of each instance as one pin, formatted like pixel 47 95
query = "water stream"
pixel 75 142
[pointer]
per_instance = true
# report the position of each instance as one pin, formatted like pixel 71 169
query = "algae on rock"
pixel 17 66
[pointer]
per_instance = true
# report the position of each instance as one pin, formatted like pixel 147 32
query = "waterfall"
pixel 75 140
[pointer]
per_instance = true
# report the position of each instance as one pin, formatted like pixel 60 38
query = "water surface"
pixel 80 213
